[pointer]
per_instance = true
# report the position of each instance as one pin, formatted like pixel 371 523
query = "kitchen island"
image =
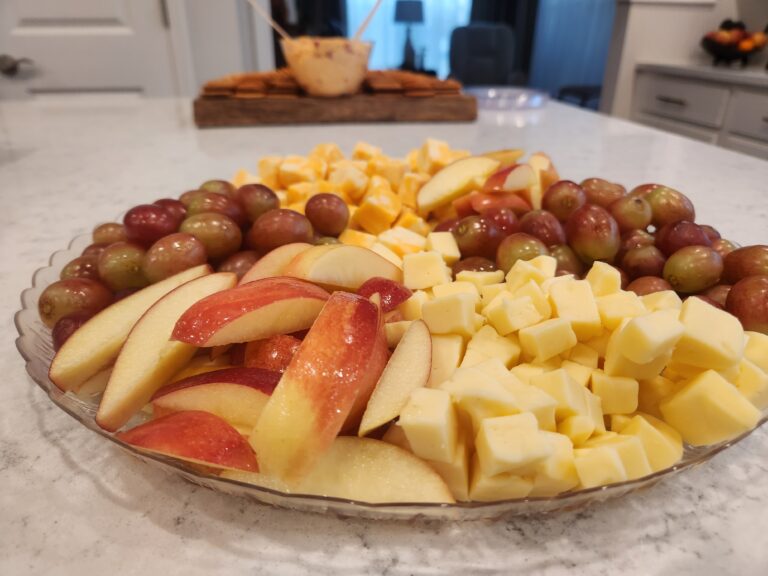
pixel 73 503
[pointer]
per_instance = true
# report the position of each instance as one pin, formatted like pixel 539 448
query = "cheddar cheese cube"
pixel 487 343
pixel 557 473
pixel 547 339
pixel 662 443
pixel 413 222
pixel 243 177
pixel 663 300
pixel 269 166
pixel 429 423
pixel 598 466
pixel 613 308
pixel 433 155
pixel 390 255
pixel 645 338
pixel 453 314
pixel 348 178
pixel 578 428
pixel 505 486
pixel 618 394
pixel 753 383
pixel 756 349
pixel 630 450
pixel 411 308
pixel 603 279
pixel 425 270
pixel 295 169
pixel 573 301
pixel 409 188
pixel 329 152
pixel 402 241
pixel 570 396
pixel 447 353
pixel 378 210
pixel 365 151
pixel 508 314
pixel 511 444
pixel 357 238
pixel 392 169
pixel 444 243
pixel 480 278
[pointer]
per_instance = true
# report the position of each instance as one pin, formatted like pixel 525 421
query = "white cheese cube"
pixel 537 296
pixel 511 444
pixel 487 343
pixel 444 244
pixel 618 395
pixel 508 314
pixel 447 352
pixel 424 270
pixel 598 466
pixel 547 339
pixel 603 279
pixel 479 278
pixel 573 301
pixel 650 336
pixel 613 308
pixel 429 423
pixel 411 308
pixel 390 255
pixel 570 396
pixel 453 314
pixel 663 300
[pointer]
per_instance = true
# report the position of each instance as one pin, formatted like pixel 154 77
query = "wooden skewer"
pixel 367 20
pixel 268 18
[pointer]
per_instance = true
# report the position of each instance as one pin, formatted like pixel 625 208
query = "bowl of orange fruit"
pixel 732 42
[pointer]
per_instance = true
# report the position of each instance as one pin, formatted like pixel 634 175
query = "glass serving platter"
pixel 34 344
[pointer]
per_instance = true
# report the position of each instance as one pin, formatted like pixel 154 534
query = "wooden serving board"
pixel 211 112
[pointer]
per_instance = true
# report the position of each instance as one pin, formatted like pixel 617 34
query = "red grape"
pixel 109 233
pixel 278 227
pixel 648 285
pixel 173 254
pixel 447 225
pixel 220 204
pixel 602 192
pixel 724 247
pixel 71 296
pixel 518 246
pixel 120 266
pixel 327 213
pixel 748 301
pixel 463 205
pixel 747 261
pixel 669 206
pixel 634 239
pixel 643 261
pixel 220 235
pixel 147 223
pixel 257 199
pixel 671 237
pixel 477 236
pixel 693 269
pixel 631 213
pixel 190 195
pixel 563 198
pixel 94 250
pixel 483 201
pixel 544 226
pixel 219 187
pixel 719 293
pixel 474 264
pixel 644 189
pixel 175 207
pixel 239 263
pixel 504 219
pixel 711 232
pixel 81 267
pixel 593 234
pixel 66 326
pixel 567 261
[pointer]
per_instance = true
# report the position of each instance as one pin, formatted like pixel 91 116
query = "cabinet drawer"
pixel 748 115
pixel 684 100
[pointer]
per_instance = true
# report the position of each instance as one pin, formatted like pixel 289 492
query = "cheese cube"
pixel 598 466
pixel 554 363
pixel 663 300
pixel 603 279
pixel 409 188
pixel 546 286
pixel 712 337
pixel 508 314
pixel 392 169
pixel 548 338
pixel 433 155
pixel 613 308
pixel 457 288
pixel 570 396
pixel 365 151
pixel 579 373
pixel 480 321
pixel 269 167
pixel 619 421
pixel 522 272
pixel 595 411
pixel 411 308
pixel 444 243
pixel 447 352
pixel 510 444
pixel 600 343
pixel 429 423
pixel 753 383
pixel 557 473
pixel 350 179
pixel 573 301
pixel 282 196
pixel 295 169
pixel 645 338
pixel 328 152
pixel 479 396
pixel 456 472
pixel 578 428
pixel 524 372
pixel 396 436
pixel 709 409
pixel 378 210
pixel 454 314
pixel 479 278
pixel 535 401
pixel 546 264
pixel 487 343
pixel 630 450
pixel 584 355
pixel 490 291
pixel 382 250
pixel 424 270
pixel 413 222
pixel 243 177
pixel 357 238
pixel 756 349
pixel 297 207
pixel 652 392
pixel 394 331
pixel 616 364
pixel 402 241
pixel 618 395
pixel 506 486
pixel 663 444
pixel 537 296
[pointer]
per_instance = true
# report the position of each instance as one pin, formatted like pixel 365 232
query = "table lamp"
pixel 409 12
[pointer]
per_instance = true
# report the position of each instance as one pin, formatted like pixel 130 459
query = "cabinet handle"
pixel 671 100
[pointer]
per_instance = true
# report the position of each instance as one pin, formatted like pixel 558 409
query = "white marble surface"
pixel 755 76
pixel 71 503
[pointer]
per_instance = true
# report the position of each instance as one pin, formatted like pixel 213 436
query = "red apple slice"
pixel 273 262
pixel 506 157
pixel 391 294
pixel 339 362
pixel 515 178
pixel 455 180
pixel 273 353
pixel 341 267
pixel 546 175
pixel 253 311
pixel 195 436
pixel 149 358
pixel 96 344
pixel 408 368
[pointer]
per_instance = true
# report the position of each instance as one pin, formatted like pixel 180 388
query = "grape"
pixel 518 246
pixel 567 261
pixel 94 249
pixel 504 219
pixel 483 201
pixel 147 223
pixel 174 207
pixel 173 254
pixel 593 234
pixel 120 266
pixel 219 187
pixel 671 237
pixel 693 269
pixel 474 264
pixel 278 227
pixel 66 326
pixel 239 263
pixel 669 206
pixel 72 296
pixel 631 213
pixel 711 232
pixel 747 261
pixel 109 233
pixel 447 225
pixel 190 195
pixel 563 198
pixel 544 226
pixel 748 301
pixel 125 292
pixel 220 235
pixel 724 247
pixel 81 267
pixel 601 192
pixel 477 236
pixel 719 293
pixel 706 299
pixel 634 239
pixel 648 285
pixel 327 213
pixel 212 202
pixel 257 199
pixel 644 261
pixel 644 189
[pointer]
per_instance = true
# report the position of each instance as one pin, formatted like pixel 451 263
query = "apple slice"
pixel 201 364
pixel 455 180
pixel 194 436
pixel 506 157
pixel 96 344
pixel 148 357
pixel 273 353
pixel 238 395
pixel 335 368
pixel 516 178
pixel 391 293
pixel 408 368
pixel 342 267
pixel 273 262
pixel 546 175
pixel 364 470
pixel 253 311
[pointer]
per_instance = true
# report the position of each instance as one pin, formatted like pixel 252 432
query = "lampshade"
pixel 409 11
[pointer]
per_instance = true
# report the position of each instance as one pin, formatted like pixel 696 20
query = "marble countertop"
pixel 754 76
pixel 72 503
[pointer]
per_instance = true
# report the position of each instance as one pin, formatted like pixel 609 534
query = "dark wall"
pixel 520 15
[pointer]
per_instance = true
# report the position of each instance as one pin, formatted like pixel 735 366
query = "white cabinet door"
pixel 87 45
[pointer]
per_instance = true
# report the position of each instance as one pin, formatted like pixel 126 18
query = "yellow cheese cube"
pixel 709 409
pixel 511 444
pixel 409 188
pixel 712 337
pixel 756 349
pixel 616 364
pixel 663 300
pixel 457 288
pixel 301 191
pixel 349 179
pixel 522 272
pixel 328 152
pixel 525 371
pixel 613 308
pixel 295 169
pixel 595 411
pixel 653 391
pixel 243 177
pixel 618 395
pixel 447 352
pixel 619 421
pixel 402 241
pixel 433 156
pixel 630 450
pixel 429 423
pixel 573 301
pixel 424 270
pixel 479 395
pixel 598 466
pixel 506 486
pixel 394 331
pixel 454 314
pixel 487 343
pixel 557 473
pixel 480 321
pixel 537 296
pixel 645 338
pixel 584 355
pixel 269 166
pixel 378 210
pixel 479 278
pixel 547 339
pixel 491 291
pixel 411 308
pixel 546 264
pixel 753 383
pixel 508 314
pixel 392 169
pixel 382 250
pixel 413 222
pixel 554 363
pixel 580 373
pixel 600 343
pixel 365 151
pixel 663 445
pixel 456 472
pixel 603 279
pixel 546 286
pixel 445 244
pixel 570 396
pixel 357 238
pixel 534 400
pixel 578 428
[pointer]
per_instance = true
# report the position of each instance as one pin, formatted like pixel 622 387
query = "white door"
pixel 87 46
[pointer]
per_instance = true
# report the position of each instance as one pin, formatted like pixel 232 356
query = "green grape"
pixel 72 296
pixel 120 266
pixel 173 254
pixel 220 235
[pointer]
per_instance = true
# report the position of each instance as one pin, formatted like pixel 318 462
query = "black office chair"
pixel 483 54
pixel 585 96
